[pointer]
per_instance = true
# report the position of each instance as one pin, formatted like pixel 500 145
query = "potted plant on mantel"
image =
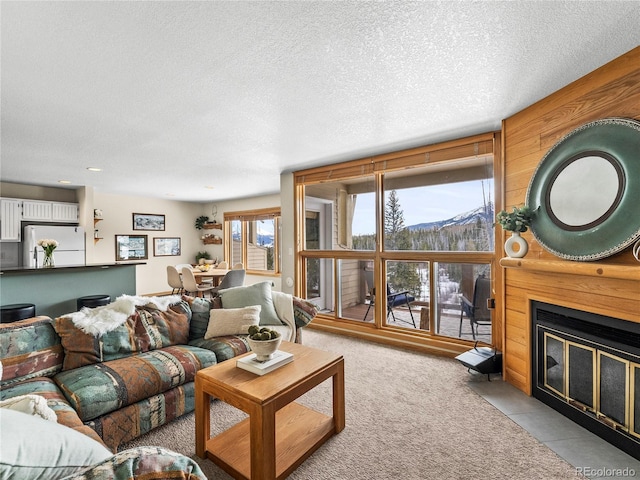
pixel 516 222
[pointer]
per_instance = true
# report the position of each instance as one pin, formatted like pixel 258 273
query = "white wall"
pixel 287 239
pixel 117 213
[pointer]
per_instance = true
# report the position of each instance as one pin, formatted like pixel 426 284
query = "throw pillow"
pixel 199 308
pixel 37 449
pixel 147 329
pixel 150 463
pixel 31 405
pixel 256 294
pixel 303 311
pixel 232 321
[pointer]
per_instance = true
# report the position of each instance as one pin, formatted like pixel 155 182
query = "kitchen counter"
pixel 54 291
pixel 29 270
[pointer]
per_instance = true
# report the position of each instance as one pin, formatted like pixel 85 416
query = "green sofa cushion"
pixel 224 348
pixel 97 389
pixel 29 349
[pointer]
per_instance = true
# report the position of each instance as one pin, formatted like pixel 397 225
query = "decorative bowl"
pixel 264 349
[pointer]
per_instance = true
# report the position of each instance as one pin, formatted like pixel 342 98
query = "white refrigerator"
pixel 70 250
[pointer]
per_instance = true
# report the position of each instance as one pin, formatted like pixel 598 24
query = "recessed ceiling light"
pixel 209 187
pixel 66 182
pixel 94 169
pixel 170 194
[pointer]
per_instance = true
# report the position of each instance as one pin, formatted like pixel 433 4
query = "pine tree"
pixel 393 222
pixel 400 275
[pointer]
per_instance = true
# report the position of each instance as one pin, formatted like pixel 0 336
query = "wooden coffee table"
pixel 279 433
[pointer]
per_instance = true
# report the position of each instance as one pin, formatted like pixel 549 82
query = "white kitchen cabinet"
pixel 10 217
pixel 35 210
pixel 64 212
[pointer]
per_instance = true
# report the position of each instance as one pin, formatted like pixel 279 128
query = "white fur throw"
pixel 100 320
pixel 31 405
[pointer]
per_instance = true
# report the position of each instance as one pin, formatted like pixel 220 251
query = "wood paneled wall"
pixel 611 91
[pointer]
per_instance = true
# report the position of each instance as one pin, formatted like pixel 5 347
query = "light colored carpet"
pixel 408 416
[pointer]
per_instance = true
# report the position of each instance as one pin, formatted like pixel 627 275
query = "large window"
pixel 252 238
pixel 401 241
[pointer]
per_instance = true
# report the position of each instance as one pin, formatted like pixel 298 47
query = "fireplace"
pixel 587 367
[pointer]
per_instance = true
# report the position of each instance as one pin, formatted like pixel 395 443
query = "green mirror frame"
pixel 606 225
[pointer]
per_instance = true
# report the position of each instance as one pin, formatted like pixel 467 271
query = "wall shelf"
pixel 592 269
pixel 212 241
pixel 214 226
pixel 95 222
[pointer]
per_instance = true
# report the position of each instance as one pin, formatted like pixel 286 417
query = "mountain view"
pixel 470 231
pixel 481 214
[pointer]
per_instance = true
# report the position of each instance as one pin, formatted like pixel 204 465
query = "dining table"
pixel 217 274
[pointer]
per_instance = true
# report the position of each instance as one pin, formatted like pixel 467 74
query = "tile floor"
pixel 591 455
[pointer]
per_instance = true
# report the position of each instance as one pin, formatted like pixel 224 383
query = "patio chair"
pixel 477 311
pixel 394 299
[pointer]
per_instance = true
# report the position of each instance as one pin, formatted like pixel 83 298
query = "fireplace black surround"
pixel 587 366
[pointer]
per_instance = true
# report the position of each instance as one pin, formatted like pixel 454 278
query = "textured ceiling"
pixel 170 98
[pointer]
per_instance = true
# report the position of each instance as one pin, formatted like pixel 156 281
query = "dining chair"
pixel 191 286
pixel 223 265
pixel 234 278
pixel 238 266
pixel 174 280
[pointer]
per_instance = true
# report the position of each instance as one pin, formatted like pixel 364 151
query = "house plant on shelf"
pixel 516 222
pixel 200 222
pixel 48 245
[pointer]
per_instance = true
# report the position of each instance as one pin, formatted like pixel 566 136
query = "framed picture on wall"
pixel 148 221
pixel 131 247
pixel 166 246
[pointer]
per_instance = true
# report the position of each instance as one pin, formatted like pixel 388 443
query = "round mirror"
pixel 585 191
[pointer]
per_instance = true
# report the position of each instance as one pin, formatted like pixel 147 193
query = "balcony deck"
pixel 449 321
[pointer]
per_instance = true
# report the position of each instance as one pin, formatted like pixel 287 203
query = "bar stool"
pixel 92 301
pixel 17 311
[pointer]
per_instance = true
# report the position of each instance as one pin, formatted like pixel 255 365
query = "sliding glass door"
pixel 403 244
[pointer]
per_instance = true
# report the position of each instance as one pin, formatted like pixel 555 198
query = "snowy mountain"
pixel 485 214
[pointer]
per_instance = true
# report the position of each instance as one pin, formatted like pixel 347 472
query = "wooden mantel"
pixel 592 269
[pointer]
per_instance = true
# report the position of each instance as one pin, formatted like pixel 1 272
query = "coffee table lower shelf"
pixel 299 432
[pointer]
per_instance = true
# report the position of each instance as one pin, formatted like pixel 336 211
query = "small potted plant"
pixel 202 256
pixel 263 342
pixel 200 221
pixel 516 221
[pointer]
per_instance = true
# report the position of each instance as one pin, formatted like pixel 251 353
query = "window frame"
pixel 443 154
pixel 246 218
